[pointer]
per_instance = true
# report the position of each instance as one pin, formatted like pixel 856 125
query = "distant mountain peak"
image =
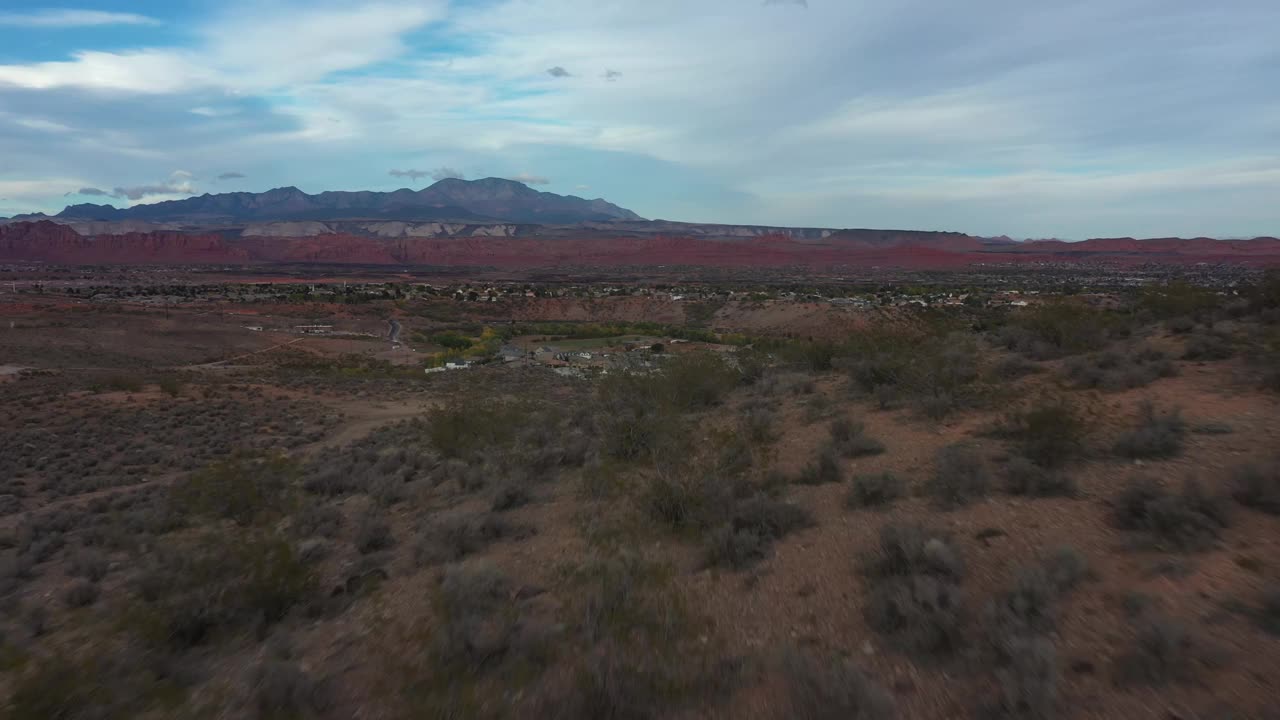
pixel 451 199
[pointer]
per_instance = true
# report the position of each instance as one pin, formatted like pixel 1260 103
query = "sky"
pixel 1030 118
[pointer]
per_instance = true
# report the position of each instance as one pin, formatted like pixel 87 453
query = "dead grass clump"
pixel 961 475
pixel 1189 520
pixel 1157 435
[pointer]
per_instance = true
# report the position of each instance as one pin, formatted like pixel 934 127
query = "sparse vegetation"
pixel 1258 486
pixel 960 476
pixel 874 490
pixel 1114 370
pixel 1157 435
pixel 1188 520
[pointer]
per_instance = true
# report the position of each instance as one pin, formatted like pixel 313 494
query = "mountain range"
pixel 451 200
pixel 503 223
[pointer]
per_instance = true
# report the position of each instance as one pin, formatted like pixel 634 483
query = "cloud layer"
pixel 1092 117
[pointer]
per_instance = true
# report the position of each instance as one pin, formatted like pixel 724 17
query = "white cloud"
pixel 245 50
pixel 55 18
pixel 530 179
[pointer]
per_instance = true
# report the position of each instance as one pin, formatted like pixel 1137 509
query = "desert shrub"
pixel 1258 487
pixel 1065 567
pixel 906 550
pixel 1178 301
pixel 825 468
pixel 1188 520
pixel 849 438
pixel 1055 329
pixel 282 689
pixel 757 426
pixel 697 380
pixel 81 593
pixel 635 420
pixel 454 538
pixel 756 524
pixel 244 489
pixel 474 631
pixel 924 363
pixel 1014 367
pixel 1163 651
pixel 960 476
pixel 1267 615
pixel 1049 431
pixel 373 533
pixel 89 564
pixel 1028 679
pixel 770 518
pixel 96 684
pixel 1208 346
pixel 1157 435
pixel 318 520
pixel 834 690
pixel 874 490
pixel 461 430
pixel 170 386
pixel 736 549
pixel 216 582
pixel 922 613
pixel 1024 477
pixel 686 500
pixel 510 496
pixel 1180 325
pixel 1115 370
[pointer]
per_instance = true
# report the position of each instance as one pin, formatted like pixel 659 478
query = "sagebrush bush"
pixel 1208 346
pixel 1029 678
pixel 874 490
pixel 81 593
pixel 282 689
pixel 453 538
pixel 1157 435
pixel 825 468
pixel 849 438
pixel 1258 486
pixel 906 550
pixel 921 613
pixel 960 476
pixel 1115 370
pixel 1024 477
pixel 217 582
pixel 373 533
pixel 1163 651
pixel 1049 431
pixel 244 489
pixel 832 689
pixel 1189 520
pixel 757 523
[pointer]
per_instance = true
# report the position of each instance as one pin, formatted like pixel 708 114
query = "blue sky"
pixel 1033 118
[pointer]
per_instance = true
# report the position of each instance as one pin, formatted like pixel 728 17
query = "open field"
pixel 762 503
